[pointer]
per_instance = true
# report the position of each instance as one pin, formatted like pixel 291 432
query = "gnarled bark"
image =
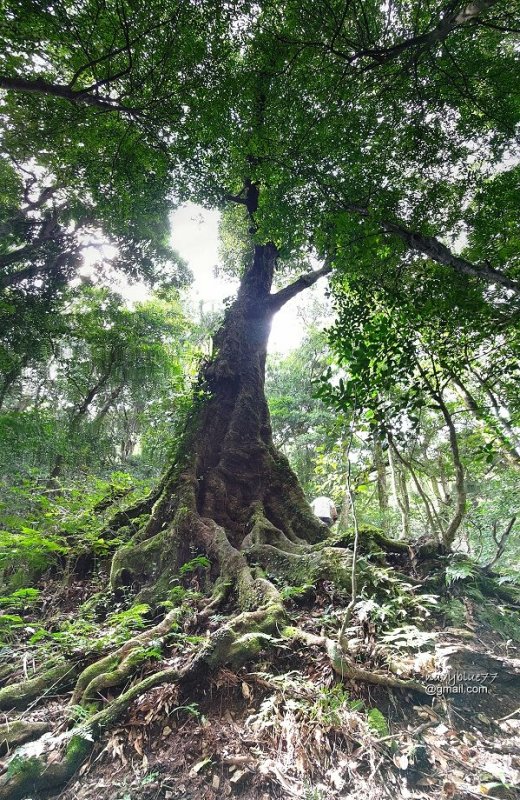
pixel 227 467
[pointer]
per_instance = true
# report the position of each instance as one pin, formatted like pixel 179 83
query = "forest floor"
pixel 286 726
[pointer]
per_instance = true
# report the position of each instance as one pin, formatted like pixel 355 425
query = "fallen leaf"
pixel 401 762
pixel 239 774
pixel 199 765
pixel 426 781
pixel 440 729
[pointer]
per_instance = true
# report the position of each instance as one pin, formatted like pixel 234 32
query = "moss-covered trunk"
pixel 227 472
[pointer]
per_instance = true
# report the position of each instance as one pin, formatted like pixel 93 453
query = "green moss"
pixel 145 562
pixel 291 569
pixel 18 731
pixel 371 540
pixel 491 588
pixel 78 749
pixel 20 694
pixel 289 632
pixel 26 768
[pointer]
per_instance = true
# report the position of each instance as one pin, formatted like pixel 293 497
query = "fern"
pixel 377 723
pixel 20 600
pixel 459 571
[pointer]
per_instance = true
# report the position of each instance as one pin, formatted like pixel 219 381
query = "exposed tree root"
pixel 297 569
pixel 229 496
pixel 263 531
pixel 6 670
pixel 390 545
pixel 346 669
pixel 154 556
pixel 13 734
pixel 19 695
pixel 117 666
pixel 233 643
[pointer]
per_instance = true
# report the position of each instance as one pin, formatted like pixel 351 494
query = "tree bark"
pixel 433 518
pixel 382 488
pixel 401 497
pixel 75 420
pixel 228 477
pixel 460 480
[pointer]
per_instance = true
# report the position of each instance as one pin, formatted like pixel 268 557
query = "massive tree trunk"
pixel 229 485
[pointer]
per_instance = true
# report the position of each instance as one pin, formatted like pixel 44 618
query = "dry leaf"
pixel 426 781
pixel 401 761
pixel 239 774
pixel 199 765
pixel 440 729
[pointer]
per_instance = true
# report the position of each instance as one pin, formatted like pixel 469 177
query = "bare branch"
pixel 501 543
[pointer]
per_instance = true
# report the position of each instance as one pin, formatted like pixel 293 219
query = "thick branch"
pixel 39 86
pixel 107 405
pixel 378 56
pixel 14 257
pixel 279 299
pixel 450 21
pixel 488 421
pixel 54 267
pixel 433 248
pixel 437 251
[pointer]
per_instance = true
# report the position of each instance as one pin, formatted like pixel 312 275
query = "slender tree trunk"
pixel 10 377
pixel 403 486
pixel 344 514
pixel 401 499
pixel 503 424
pixel 460 480
pixel 382 488
pixel 494 428
pixel 442 480
pixel 75 421
pixel 345 510
pixel 431 513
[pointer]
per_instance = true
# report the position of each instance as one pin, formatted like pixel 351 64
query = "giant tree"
pixel 340 132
